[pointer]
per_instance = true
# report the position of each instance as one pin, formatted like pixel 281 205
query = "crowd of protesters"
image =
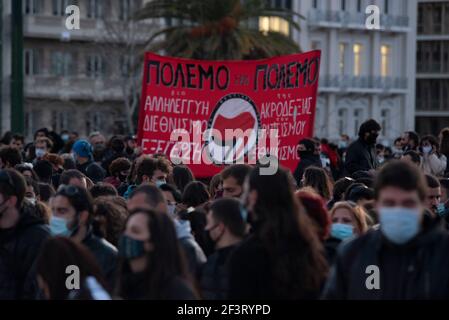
pixel 137 226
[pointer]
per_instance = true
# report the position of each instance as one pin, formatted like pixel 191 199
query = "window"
pixel 343 5
pixel 315 45
pixel 125 66
pixel 94 9
pixel 95 66
pixel 59 6
pixel 342 58
pixel 125 9
pixel 385 53
pixel 357 49
pixel 32 7
pixel 342 120
pixel 437 17
pixel 385 122
pixel 31 62
pixel 387 7
pixel 275 24
pixel 61 64
pixel 359 5
pixel 315 4
pixel 358 120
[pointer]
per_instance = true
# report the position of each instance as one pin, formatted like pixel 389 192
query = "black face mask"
pixel 372 138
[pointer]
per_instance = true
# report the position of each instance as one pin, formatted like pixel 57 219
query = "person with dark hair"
pixel 22 233
pixel 359 194
pixel 31 190
pixel 361 154
pixel 410 248
pixel 410 141
pixel 46 192
pixel 6 139
pixel 26 169
pixel 56 255
pixel 318 179
pixel 9 157
pixel 182 176
pixel 131 147
pixel 151 170
pixel 57 162
pixel 119 169
pixel 150 197
pixel 433 162
pixel 110 214
pixel 283 257
pixel 444 146
pixel 103 189
pixel 41 133
pixel 44 170
pixel 396 149
pixel 444 182
pixel 72 217
pixel 308 158
pixel 115 150
pixel 173 198
pixel 152 266
pixel 69 161
pixel 433 194
pixel 339 190
pixel 195 194
pixel 216 187
pixel 83 154
pixel 233 178
pixel 413 157
pixel 17 142
pixel 316 210
pixel 227 228
pixel 73 177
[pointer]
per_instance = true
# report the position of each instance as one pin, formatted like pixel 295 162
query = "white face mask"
pixel 427 149
pixel 40 152
pixel 31 200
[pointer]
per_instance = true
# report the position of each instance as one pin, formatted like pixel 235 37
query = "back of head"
pixel 119 165
pixel 103 189
pixel 432 182
pixel 153 195
pixel 182 176
pixel 83 149
pixel 70 174
pixel 316 210
pixel 236 171
pixel 44 170
pixel 414 156
pixel 341 186
pixel 401 175
pixel 358 191
pixel 413 136
pixel 117 144
pixel 229 212
pixel 55 256
pixel 46 191
pixel 195 194
pixel 318 179
pixel 10 157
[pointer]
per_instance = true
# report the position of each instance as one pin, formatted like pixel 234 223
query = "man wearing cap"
pixel 83 155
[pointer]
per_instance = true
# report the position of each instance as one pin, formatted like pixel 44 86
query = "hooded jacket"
pixel 19 248
pixel 360 157
pixel 414 271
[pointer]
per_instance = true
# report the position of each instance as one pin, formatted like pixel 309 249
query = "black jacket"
pixel 19 248
pixel 215 275
pixel 417 270
pixel 360 157
pixel 331 246
pixel 92 170
pixel 105 254
pixel 305 162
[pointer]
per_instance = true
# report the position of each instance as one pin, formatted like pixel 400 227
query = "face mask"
pixel 342 144
pixel 380 159
pixel 31 200
pixel 427 149
pixel 65 137
pixel 372 138
pixel 130 248
pixel 58 227
pixel 244 214
pixel 159 183
pixel 399 225
pixel 40 152
pixel 441 210
pixel 342 231
pixel 171 210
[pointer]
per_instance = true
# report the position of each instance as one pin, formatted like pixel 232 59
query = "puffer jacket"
pixel 19 248
pixel 414 271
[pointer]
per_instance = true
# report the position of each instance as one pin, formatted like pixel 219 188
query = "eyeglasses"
pixel 6 178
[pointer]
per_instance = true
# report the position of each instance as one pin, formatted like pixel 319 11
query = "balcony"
pixel 355 20
pixel 67 88
pixel 53 27
pixel 363 84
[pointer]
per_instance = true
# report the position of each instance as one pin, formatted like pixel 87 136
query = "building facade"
pixel 77 79
pixel 432 77
pixel 5 67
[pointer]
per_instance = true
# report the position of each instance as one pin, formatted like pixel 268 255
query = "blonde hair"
pixel 357 212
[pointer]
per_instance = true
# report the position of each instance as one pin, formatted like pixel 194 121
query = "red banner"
pixel 207 114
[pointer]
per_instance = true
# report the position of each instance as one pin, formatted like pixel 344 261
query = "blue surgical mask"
pixel 244 214
pixel 58 227
pixel 40 152
pixel 399 225
pixel 342 231
pixel 427 149
pixel 130 248
pixel 171 210
pixel 159 183
pixel 65 137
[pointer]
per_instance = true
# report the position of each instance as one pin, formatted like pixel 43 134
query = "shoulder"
pixel 100 244
pixel 250 249
pixel 350 250
pixel 179 289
